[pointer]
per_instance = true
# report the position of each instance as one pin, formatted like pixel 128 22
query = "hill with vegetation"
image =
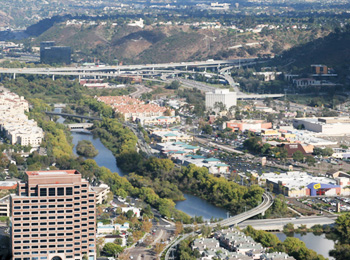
pixel 115 41
pixel 332 50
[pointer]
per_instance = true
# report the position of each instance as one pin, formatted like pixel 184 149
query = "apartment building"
pixel 132 108
pixel 16 126
pixel 53 216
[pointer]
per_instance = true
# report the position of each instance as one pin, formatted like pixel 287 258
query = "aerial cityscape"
pixel 175 130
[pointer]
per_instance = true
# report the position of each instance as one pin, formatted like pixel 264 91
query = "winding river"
pixel 193 206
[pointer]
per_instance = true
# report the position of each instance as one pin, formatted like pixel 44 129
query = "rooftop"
pixel 53 172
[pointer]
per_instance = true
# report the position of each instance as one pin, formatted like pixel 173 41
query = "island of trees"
pixel 86 149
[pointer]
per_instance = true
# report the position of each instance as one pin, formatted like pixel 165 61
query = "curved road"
pixel 263 206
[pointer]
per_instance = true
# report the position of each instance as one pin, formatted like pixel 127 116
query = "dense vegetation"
pixel 86 149
pixel 292 246
pixel 342 232
pixel 60 90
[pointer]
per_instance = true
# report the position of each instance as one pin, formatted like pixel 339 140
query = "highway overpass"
pixel 278 223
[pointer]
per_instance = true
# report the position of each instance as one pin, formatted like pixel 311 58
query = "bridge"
pixel 79 126
pixel 110 70
pixel 260 209
pixel 279 223
pixel 72 115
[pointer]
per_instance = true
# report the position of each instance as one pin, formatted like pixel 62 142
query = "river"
pixel 193 206
pixel 320 244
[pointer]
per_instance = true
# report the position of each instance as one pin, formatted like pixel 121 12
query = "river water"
pixel 319 244
pixel 193 206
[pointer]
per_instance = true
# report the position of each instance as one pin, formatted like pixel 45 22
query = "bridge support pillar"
pixel 14 75
pixel 263 213
pixel 186 67
pixel 53 77
pixel 205 69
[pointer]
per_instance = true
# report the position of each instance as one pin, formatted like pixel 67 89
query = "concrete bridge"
pixel 278 223
pixel 72 115
pixel 79 126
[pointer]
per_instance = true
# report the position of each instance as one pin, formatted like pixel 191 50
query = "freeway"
pixel 266 203
pixel 208 63
pixel 278 224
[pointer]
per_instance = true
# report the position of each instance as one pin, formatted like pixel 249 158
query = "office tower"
pixel 223 96
pixel 52 54
pixel 53 216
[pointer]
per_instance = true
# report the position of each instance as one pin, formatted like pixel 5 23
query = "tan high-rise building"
pixel 53 217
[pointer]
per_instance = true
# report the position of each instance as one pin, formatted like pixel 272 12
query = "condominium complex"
pixel 53 216
pixel 132 108
pixel 224 96
pixel 15 124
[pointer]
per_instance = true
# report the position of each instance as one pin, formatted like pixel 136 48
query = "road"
pixel 140 89
pixel 279 223
pixel 216 145
pixel 261 208
pixel 89 70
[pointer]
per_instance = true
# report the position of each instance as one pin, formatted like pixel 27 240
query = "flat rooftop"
pixel 53 172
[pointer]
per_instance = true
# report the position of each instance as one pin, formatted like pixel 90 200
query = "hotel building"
pixel 53 217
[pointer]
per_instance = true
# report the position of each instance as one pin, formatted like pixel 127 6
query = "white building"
pixel 324 125
pixel 224 96
pixel 101 193
pixel 15 124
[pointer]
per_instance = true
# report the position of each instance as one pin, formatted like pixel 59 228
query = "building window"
pixel 60 191
pixel 43 193
pixel 52 192
pixel 69 191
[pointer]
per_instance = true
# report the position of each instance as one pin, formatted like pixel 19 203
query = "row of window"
pixel 27 230
pixel 51 252
pixel 54 246
pixel 52 239
pixel 45 258
pixel 17 213
pixel 51 200
pixel 44 246
pixel 53 205
pixel 91 212
pixel 65 223
pixel 57 217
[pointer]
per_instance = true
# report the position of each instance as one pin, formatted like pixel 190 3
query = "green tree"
pixel 310 160
pixel 298 156
pixel 112 249
pixel 340 252
pixel 342 228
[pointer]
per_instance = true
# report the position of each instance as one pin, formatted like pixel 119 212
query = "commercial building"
pixel 214 165
pixel 51 54
pixel 292 148
pixel 251 125
pixel 171 136
pixel 111 228
pixel 53 216
pixel 301 184
pixel 158 120
pixel 324 125
pixel 224 96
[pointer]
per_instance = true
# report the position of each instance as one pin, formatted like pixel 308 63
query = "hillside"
pixel 332 50
pixel 110 42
